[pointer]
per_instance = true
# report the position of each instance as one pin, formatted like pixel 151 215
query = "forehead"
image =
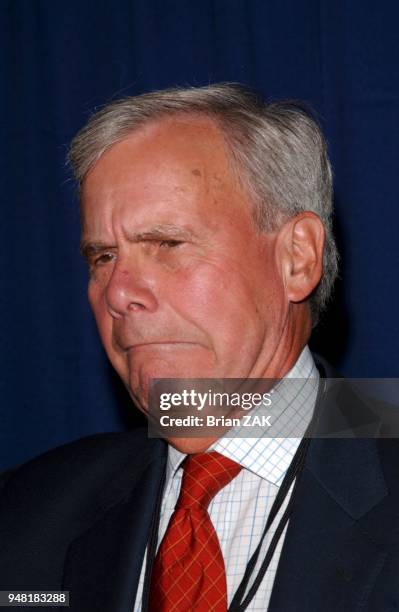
pixel 176 164
pixel 180 143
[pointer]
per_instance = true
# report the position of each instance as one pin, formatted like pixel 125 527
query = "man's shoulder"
pixel 81 467
pixel 51 501
pixel 91 448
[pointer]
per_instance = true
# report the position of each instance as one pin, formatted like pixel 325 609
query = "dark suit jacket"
pixel 79 517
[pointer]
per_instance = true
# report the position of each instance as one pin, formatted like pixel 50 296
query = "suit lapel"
pixel 103 565
pixel 331 557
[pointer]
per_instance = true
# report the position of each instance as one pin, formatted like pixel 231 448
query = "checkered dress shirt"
pixel 239 511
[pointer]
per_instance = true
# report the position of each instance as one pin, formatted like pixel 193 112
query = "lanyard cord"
pixel 294 472
pixel 239 604
pixel 152 546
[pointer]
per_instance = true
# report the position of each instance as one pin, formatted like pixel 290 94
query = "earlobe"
pixel 303 238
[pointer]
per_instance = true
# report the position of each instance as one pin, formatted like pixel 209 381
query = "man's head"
pixel 204 216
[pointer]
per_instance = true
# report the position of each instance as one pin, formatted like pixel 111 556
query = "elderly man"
pixel 206 225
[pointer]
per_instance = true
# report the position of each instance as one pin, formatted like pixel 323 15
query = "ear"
pixel 301 244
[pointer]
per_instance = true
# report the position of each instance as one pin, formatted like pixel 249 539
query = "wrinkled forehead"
pixel 183 155
pixel 177 168
pixel 197 141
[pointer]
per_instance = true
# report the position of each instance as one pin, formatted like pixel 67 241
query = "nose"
pixel 128 292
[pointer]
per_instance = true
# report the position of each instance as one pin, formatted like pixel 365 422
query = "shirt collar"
pixel 270 457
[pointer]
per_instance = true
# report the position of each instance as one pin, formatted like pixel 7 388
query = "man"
pixel 206 224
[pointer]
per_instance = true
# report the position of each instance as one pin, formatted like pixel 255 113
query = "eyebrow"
pixel 158 232
pixel 88 249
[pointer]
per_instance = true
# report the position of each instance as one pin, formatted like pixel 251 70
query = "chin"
pixel 140 378
pixel 191 446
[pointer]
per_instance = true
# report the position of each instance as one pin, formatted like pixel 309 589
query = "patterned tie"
pixel 189 573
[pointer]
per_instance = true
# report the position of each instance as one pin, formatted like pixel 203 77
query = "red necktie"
pixel 189 573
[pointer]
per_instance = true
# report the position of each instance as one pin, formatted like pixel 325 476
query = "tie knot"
pixel 205 474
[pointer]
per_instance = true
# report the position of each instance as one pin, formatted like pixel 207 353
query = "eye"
pixel 103 259
pixel 169 244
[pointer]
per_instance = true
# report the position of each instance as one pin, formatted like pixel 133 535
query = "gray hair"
pixel 277 150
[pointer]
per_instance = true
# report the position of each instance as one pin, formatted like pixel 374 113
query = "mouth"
pixel 162 344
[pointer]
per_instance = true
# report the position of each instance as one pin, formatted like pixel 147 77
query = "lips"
pixel 162 343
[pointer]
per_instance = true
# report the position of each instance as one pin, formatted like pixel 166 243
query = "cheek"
pixel 238 304
pixel 219 300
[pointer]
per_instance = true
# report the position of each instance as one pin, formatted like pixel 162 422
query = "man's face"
pixel 182 285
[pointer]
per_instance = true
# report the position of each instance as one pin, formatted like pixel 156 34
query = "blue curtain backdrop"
pixel 60 60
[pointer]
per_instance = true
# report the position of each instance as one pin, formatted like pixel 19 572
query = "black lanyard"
pixel 239 602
